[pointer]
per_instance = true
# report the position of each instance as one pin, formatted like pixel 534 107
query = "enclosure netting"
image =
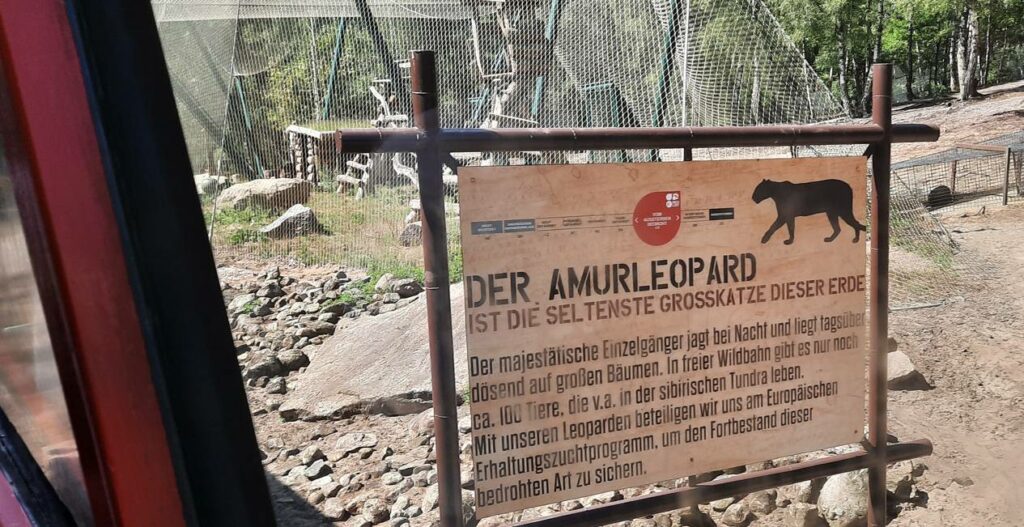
pixel 262 84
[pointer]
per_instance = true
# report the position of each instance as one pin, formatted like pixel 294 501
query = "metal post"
pixel 339 42
pixel 386 59
pixel 1006 178
pixel 667 61
pixel 952 177
pixel 881 115
pixel 550 33
pixel 249 143
pixel 435 267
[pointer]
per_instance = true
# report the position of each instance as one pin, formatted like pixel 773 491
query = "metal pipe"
pixel 734 486
pixel 435 268
pixel 881 116
pixel 576 139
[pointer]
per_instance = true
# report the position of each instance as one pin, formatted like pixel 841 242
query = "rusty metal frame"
pixel 433 144
pixel 1007 151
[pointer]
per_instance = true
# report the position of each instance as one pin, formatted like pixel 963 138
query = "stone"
pixel 903 375
pixel 383 284
pixel 299 220
pixel 802 492
pixel 242 303
pixel 411 235
pixel 317 469
pixel 263 364
pixel 277 385
pixel 722 504
pixel 407 287
pixel 843 500
pixel 270 194
pixel 392 377
pixel 762 502
pixel 354 441
pixel 801 515
pixel 695 518
pixel 430 497
pixel 334 509
pixel 310 454
pixel 322 482
pixel 375 510
pixel 206 185
pixel 270 290
pixel 292 360
pixel 320 328
pixel 391 478
pixel 737 515
pixel 899 479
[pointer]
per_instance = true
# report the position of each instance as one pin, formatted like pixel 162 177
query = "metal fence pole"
pixel 881 115
pixel 1006 177
pixel 435 267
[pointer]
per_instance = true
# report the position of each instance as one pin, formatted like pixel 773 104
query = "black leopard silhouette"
pixel 830 196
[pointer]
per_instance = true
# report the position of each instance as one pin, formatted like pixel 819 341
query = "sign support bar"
pixel 436 284
pixel 881 115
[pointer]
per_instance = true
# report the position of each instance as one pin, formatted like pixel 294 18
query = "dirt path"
pixel 970 351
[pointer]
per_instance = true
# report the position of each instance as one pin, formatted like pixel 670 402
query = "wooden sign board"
pixel 635 323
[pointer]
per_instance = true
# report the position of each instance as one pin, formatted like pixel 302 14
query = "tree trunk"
pixel 988 51
pixel 865 97
pixel 962 55
pixel 969 80
pixel 910 55
pixel 954 78
pixel 844 94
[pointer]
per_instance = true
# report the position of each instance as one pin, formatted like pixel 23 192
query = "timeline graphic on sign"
pixel 626 330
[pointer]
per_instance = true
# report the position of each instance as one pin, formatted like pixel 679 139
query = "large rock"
pixel 378 364
pixel 299 220
pixel 903 375
pixel 207 185
pixel 273 194
pixel 843 501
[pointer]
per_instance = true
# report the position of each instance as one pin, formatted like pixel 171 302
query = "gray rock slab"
pixel 275 194
pixel 377 364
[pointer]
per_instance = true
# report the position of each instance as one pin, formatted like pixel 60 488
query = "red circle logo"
pixel 656 218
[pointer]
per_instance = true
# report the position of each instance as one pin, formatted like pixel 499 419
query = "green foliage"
pixel 916 37
pixel 246 235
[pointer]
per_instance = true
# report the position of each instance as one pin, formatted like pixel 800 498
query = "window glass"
pixel 30 389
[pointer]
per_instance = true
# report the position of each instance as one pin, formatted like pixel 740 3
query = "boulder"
pixel 801 515
pixel 843 501
pixel 737 515
pixel 272 194
pixel 903 375
pixel 207 185
pixel 299 220
pixel 411 235
pixel 378 364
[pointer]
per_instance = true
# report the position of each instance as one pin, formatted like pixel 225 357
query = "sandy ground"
pixel 969 350
pixel 999 111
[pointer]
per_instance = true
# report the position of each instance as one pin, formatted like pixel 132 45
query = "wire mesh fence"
pixel 262 85
pixel 966 177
